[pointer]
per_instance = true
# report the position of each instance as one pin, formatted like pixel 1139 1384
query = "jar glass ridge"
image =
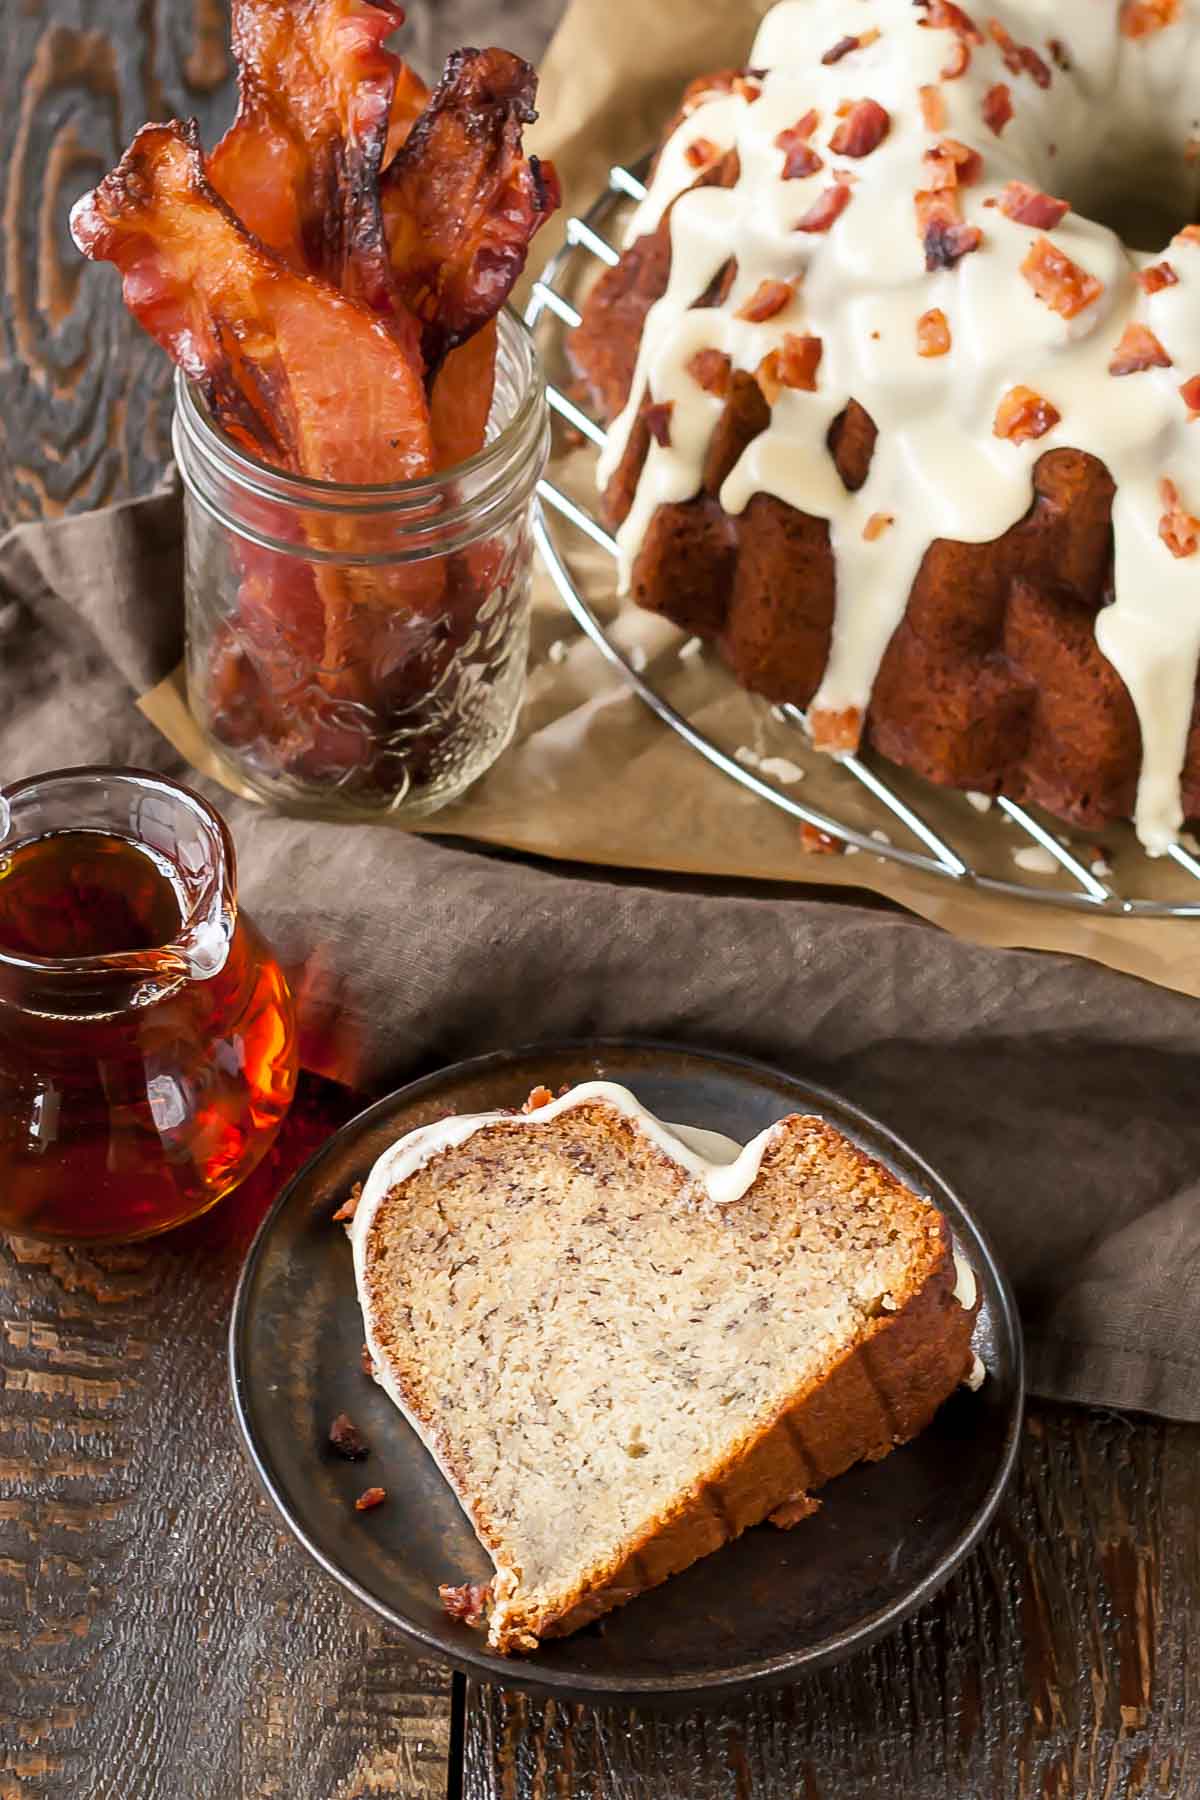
pixel 360 651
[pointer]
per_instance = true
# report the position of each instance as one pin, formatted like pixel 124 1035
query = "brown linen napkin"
pixel 1058 1096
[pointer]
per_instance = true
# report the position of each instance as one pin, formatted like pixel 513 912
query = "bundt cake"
pixel 902 370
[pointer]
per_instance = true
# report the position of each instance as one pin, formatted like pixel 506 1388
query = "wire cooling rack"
pixel 1078 875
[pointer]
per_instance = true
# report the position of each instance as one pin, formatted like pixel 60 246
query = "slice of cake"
pixel 622 1354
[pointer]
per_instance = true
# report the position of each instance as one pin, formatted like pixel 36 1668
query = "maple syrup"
pixel 147 1041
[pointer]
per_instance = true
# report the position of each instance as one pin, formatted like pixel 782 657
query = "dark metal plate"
pixel 759 1611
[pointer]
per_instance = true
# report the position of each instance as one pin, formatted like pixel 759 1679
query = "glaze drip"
pixel 946 358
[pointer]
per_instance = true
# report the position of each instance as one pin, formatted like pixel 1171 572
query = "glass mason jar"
pixel 361 651
pixel 147 1035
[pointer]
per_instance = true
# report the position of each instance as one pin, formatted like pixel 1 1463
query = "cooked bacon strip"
pixel 862 130
pixel 1023 414
pixel 314 380
pixel 1029 206
pixel 461 401
pixel 1156 277
pixel 1177 528
pixel 461 203
pixel 1058 281
pixel 410 97
pixel 1138 349
pixel 311 373
pixel 300 164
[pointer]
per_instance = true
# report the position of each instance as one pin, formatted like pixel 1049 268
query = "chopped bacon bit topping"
pixel 1022 414
pixel 845 45
pixel 1061 283
pixel 799 157
pixel 1142 18
pixel 816 842
pixel 1029 206
pixel 945 236
pixel 958 62
pixel 877 524
pixel 997 107
pixel 862 130
pixel 702 152
pixel 347 1439
pixel 834 731
pixel 366 1362
pixel 1179 531
pixel 711 370
pixel 657 416
pixel 1059 54
pixel 943 15
pixel 1190 234
pixel 933 107
pixel 467 1602
pixel 538 1097
pixel 799 359
pixel 768 298
pixel 1190 390
pixel 951 164
pixel 794 365
pixel 349 1206
pixel 370 1497
pixel 1138 349
pixel 826 208
pixel 1020 59
pixel 933 333
pixel 747 89
pixel 1156 277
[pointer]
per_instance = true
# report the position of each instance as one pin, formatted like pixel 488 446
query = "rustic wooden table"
pixel 160 1637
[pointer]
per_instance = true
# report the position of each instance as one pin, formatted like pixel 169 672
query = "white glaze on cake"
pixel 1114 133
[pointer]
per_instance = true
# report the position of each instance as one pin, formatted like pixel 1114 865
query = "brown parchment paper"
pixel 592 775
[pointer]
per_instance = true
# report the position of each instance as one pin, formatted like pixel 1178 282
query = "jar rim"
pixel 222 880
pixel 314 492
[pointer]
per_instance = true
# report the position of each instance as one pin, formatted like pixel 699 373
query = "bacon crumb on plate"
pixel 347 1439
pixel 370 1498
pixel 539 1097
pixel 349 1206
pixel 468 1601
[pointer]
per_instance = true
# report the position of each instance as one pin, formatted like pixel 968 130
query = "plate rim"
pixel 613 1689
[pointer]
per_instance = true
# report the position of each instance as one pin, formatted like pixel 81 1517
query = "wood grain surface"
pixel 160 1638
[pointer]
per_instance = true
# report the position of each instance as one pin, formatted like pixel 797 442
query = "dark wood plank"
pixel 160 1635
pixel 1061 1663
